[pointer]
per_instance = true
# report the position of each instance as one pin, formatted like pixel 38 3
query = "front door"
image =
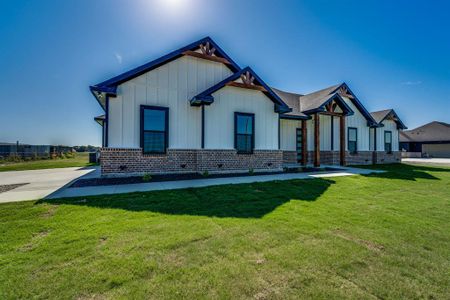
pixel 299 144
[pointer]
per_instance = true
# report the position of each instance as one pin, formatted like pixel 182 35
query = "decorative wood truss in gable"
pixel 248 82
pixel 332 108
pixel 344 92
pixel 207 52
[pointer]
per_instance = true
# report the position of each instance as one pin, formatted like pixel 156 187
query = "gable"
pixel 205 49
pixel 344 91
pixel 245 78
pixel 186 76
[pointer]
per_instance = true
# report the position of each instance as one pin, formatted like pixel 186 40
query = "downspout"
pixel 332 133
pixel 279 142
pixel 106 119
pixel 203 126
pixel 374 159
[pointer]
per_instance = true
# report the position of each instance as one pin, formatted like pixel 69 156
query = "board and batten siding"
pixel 219 118
pixel 358 121
pixel 170 85
pixel 288 134
pixel 391 126
pixel 325 133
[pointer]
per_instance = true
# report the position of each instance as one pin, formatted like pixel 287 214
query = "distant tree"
pixel 84 148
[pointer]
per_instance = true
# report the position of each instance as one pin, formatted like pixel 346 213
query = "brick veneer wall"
pixel 330 158
pixel 120 161
pixel 222 160
pixel 382 157
pixel 333 157
pixel 359 158
pixel 289 157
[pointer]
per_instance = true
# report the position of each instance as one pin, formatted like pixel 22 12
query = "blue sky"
pixel 393 54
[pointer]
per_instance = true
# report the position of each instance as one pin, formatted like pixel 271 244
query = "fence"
pixel 31 151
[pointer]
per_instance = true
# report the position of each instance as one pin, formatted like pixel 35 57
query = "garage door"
pixel 436 150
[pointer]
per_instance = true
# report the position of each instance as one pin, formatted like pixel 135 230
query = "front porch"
pixel 320 139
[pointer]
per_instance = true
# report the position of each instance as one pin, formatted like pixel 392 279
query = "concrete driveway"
pixel 37 184
pixel 428 161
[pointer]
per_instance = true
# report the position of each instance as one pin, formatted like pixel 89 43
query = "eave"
pixel 206 97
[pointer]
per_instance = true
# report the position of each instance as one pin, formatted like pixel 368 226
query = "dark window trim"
pixel 236 114
pixel 166 132
pixel 348 140
pixel 390 132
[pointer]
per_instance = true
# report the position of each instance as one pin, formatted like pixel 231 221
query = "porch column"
pixel 342 140
pixel 304 143
pixel 316 140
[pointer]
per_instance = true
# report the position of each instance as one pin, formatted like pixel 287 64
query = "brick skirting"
pixel 333 157
pixel 382 157
pixel 289 157
pixel 120 161
pixel 359 158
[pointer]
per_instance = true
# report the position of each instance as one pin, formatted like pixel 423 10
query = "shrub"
pixel 146 177
pixel 205 174
pixel 251 171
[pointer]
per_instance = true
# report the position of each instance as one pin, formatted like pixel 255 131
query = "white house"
pixel 196 110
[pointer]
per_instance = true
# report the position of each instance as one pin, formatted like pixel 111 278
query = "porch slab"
pixel 66 192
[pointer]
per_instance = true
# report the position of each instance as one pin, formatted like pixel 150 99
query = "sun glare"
pixel 173 6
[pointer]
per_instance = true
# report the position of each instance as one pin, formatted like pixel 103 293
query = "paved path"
pixel 433 161
pixel 37 184
pixel 169 185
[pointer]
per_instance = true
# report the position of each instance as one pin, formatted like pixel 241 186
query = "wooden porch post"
pixel 342 140
pixel 316 140
pixel 305 141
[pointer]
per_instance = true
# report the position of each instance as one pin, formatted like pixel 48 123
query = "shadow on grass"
pixel 405 171
pixel 239 201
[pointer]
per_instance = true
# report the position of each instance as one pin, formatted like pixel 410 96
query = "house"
pixel 196 110
pixel 429 140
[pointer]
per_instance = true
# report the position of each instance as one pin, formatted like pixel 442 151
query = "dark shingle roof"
pixel 380 116
pixel 431 132
pixel 313 100
pixel 293 101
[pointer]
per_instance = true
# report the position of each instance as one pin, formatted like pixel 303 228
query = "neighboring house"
pixel 196 110
pixel 432 139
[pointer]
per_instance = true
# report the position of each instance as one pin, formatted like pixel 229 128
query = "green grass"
pixel 361 237
pixel 79 160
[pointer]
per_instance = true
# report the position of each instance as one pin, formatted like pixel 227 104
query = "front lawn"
pixel 378 236
pixel 78 160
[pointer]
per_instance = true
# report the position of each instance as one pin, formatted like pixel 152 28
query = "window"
pixel 244 132
pixel 388 141
pixel 352 140
pixel 154 129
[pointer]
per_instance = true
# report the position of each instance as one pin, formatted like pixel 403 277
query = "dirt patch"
pixel 102 240
pixel 368 244
pixel 8 187
pixel 35 239
pixel 50 212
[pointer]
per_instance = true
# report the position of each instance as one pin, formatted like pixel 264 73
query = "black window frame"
pixel 385 143
pixel 166 128
pixel 236 115
pixel 348 140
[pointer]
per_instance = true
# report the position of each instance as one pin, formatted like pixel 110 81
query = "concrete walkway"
pixel 170 185
pixel 37 184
